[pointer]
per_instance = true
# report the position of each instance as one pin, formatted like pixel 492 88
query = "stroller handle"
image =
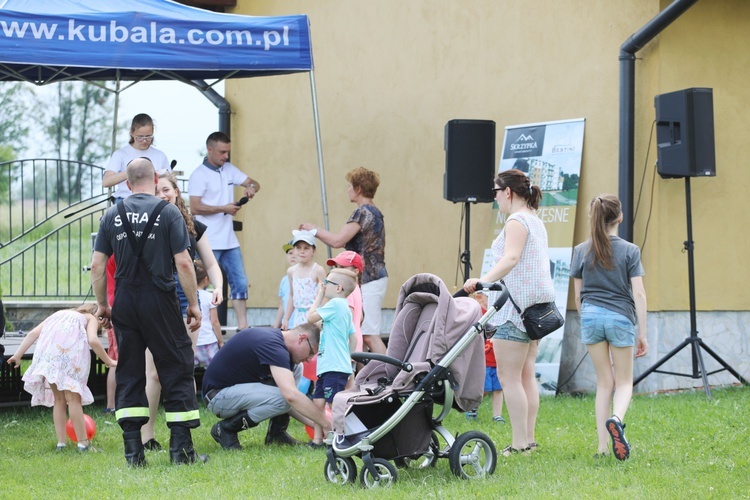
pixel 366 357
pixel 497 286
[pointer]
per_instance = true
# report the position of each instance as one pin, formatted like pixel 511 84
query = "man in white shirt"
pixel 211 189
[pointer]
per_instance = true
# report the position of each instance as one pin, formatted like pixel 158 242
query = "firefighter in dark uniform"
pixel 148 239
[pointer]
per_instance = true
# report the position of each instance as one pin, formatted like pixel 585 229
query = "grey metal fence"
pixel 48 210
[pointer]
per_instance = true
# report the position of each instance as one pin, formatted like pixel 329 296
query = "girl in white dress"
pixel 304 278
pixel 60 367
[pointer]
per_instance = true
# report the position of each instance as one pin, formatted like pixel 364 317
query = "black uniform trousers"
pixel 146 316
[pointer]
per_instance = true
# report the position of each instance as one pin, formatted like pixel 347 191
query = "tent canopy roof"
pixel 92 40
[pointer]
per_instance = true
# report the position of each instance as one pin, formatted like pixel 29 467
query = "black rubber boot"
pixel 225 431
pixel 277 431
pixel 134 454
pixel 181 449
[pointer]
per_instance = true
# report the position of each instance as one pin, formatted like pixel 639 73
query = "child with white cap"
pixel 304 278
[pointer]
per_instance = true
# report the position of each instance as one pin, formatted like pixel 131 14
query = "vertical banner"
pixel 550 154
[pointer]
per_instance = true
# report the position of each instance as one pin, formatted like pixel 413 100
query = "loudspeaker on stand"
pixel 685 133
pixel 469 161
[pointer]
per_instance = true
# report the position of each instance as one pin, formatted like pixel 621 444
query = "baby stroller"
pixel 435 356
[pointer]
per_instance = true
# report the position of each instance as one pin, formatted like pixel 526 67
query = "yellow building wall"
pixel 390 74
pixel 707 47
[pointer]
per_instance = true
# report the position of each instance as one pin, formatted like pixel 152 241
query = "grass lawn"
pixel 683 446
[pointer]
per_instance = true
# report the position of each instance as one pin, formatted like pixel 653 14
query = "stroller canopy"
pixel 419 337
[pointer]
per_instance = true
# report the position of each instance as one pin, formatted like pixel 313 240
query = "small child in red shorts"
pixel 491 382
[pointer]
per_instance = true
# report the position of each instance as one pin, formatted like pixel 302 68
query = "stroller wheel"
pixel 387 474
pixel 472 455
pixel 428 459
pixel 346 473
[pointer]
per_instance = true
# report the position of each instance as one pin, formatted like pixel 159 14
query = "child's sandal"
pixel 509 450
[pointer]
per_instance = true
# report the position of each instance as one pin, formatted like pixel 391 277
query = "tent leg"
pixel 117 112
pixel 319 144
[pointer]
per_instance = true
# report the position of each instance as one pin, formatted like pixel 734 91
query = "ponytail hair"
pixel 604 210
pixel 521 186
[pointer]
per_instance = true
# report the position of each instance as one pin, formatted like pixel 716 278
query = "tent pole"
pixel 111 189
pixel 321 173
pixel 117 110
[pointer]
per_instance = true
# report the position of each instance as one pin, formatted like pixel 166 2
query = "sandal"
pixel 533 446
pixel 509 450
pixel 86 448
pixel 499 419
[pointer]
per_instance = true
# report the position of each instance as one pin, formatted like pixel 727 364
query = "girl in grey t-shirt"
pixel 608 281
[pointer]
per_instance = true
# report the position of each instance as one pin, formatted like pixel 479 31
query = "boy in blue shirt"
pixel 337 339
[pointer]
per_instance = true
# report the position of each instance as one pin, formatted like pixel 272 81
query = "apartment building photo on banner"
pixel 550 155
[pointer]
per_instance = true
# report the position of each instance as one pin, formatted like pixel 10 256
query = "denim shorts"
pixel 230 261
pixel 509 331
pixel 599 324
pixel 329 384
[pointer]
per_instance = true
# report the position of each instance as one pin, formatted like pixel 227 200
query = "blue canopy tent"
pixel 56 40
pixel 137 40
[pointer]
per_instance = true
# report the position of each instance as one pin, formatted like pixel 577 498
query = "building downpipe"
pixel 628 50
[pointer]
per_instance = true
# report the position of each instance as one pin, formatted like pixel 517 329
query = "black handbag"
pixel 540 319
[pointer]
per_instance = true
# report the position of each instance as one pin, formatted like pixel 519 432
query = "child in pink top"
pixel 352 261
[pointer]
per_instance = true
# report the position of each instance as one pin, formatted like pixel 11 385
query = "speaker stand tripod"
pixel 694 341
pixel 466 255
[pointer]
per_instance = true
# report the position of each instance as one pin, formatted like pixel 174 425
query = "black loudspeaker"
pixel 469 161
pixel 685 133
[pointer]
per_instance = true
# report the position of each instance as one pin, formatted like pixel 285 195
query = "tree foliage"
pixel 14 128
pixel 14 124
pixel 77 126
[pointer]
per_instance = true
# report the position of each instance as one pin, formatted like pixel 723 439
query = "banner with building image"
pixel 550 154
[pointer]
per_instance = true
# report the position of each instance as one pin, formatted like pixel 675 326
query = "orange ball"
pixel 309 369
pixel 90 428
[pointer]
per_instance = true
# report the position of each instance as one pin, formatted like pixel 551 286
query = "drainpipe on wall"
pixel 627 104
pixel 225 110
